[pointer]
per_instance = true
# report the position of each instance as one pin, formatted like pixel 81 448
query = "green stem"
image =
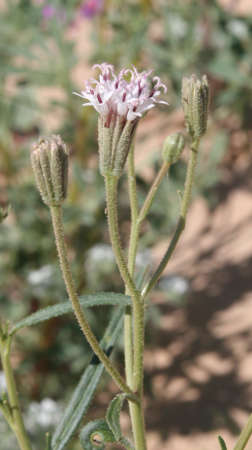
pixel 111 183
pixel 135 412
pixel 152 192
pixel 137 417
pixel 128 345
pixel 182 219
pixel 136 225
pixel 16 420
pixel 56 213
pixel 138 425
pixel 245 435
pixel 133 363
pixel 189 178
pixel 134 230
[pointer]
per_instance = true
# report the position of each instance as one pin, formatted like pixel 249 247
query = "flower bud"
pixel 173 147
pixel 49 158
pixel 195 101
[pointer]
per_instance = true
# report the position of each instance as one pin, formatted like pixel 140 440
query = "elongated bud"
pixel 173 147
pixel 49 158
pixel 195 101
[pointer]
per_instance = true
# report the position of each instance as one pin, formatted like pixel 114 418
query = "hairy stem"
pixel 182 219
pixel 111 183
pixel 136 225
pixel 133 359
pixel 15 419
pixel 56 213
pixel 152 192
pixel 134 213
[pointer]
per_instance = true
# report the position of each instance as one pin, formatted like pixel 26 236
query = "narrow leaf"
pixel 96 434
pixel 85 390
pixel 222 443
pixel 113 415
pixel 99 299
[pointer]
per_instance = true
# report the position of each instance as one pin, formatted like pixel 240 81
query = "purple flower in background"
pixel 48 11
pixel 91 8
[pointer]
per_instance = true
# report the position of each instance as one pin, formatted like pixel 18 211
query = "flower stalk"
pixel 50 162
pixel 134 318
pixel 56 214
pixel 11 406
pixel 182 219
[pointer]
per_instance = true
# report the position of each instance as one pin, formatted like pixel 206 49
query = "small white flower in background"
pixel 175 288
pixel 41 276
pixel 129 94
pixel 42 415
pixel 100 253
pixel 144 259
pixel 100 264
pixel 177 26
pixel 3 386
pixel 238 28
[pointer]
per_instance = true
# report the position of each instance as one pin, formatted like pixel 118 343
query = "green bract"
pixel 49 158
pixel 173 147
pixel 195 100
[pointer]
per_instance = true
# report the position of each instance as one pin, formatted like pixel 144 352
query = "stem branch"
pixel 133 360
pixel 15 418
pixel 56 213
pixel 182 219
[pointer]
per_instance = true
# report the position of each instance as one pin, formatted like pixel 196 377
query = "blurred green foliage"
pixel 36 52
pixel 179 38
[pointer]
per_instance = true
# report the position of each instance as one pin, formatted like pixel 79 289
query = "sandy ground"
pixel 201 368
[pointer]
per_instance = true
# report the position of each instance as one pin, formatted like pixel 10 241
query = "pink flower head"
pixel 129 94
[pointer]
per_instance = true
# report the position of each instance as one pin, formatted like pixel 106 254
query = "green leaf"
pixel 126 443
pixel 95 435
pixel 99 299
pixel 113 415
pixel 113 420
pixel 222 443
pixel 86 387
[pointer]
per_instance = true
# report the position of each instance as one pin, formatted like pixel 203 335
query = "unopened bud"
pixel 173 147
pixel 49 158
pixel 195 101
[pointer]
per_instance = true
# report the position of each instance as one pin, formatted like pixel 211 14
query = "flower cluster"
pixel 120 101
pixel 129 94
